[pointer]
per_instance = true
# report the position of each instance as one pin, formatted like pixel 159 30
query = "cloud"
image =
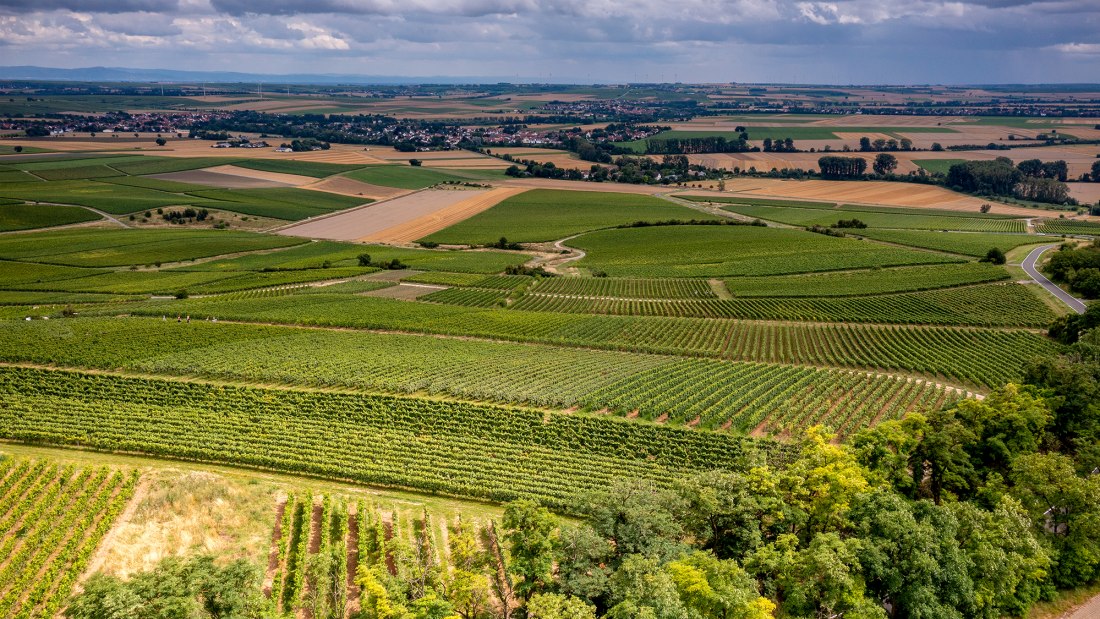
pixel 90 6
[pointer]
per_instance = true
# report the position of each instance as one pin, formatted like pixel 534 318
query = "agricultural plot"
pixel 486 371
pixel 13 274
pixel 9 175
pixel 880 219
pixel 278 203
pixel 76 173
pixel 987 305
pixel 367 439
pixel 105 248
pixel 973 355
pixel 194 282
pixel 1068 226
pixel 316 169
pixel 109 197
pixel 868 282
pixel 547 215
pixel 164 165
pixel 965 243
pixel 716 251
pixel 626 288
pixel 30 216
pixel 51 520
pixel 315 255
pixel 404 177
pixel 938 166
pixel 471 297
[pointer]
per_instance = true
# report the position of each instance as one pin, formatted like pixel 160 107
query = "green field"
pixel 547 215
pixel 1062 226
pixel 278 203
pixel 30 216
pixel 368 439
pixel 112 247
pixel 861 283
pixel 403 177
pixel 877 219
pixel 109 197
pixel 980 356
pixel 716 251
pixel 966 243
pixel 938 166
pixel 485 371
pixel 315 169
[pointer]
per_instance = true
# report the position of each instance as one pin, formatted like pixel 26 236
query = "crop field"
pixel 30 216
pixel 810 217
pixel 965 243
pixel 113 247
pixel 51 520
pixel 109 197
pixel 363 438
pixel 717 251
pixel 301 255
pixel 867 282
pixel 626 288
pixel 316 169
pixel 973 355
pixel 404 177
pixel 1063 226
pixel 548 215
pixel 938 166
pixel 989 305
pixel 279 203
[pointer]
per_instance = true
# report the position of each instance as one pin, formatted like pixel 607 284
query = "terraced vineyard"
pixel 972 355
pixel 446 447
pixel 51 520
pixel 988 305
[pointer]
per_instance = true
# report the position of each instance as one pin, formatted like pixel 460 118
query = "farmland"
pixel 547 215
pixel 29 217
pixel 51 520
pixel 717 251
pixel 881 219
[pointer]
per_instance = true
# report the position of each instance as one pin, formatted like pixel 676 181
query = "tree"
pixel 19 149
pixel 711 587
pixel 937 147
pixel 583 559
pixel 885 163
pixel 161 141
pixel 640 588
pixel 733 513
pixel 364 260
pixel 416 163
pixel 995 256
pixel 637 517
pixel 557 606
pixel 865 144
pixel 466 585
pixel 194 587
pixel 1095 175
pixel 531 532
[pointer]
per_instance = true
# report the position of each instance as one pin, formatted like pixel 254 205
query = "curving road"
pixel 1029 266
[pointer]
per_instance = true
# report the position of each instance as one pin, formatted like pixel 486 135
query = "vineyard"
pixel 968 244
pixel 452 448
pixel 882 218
pixel 718 251
pixel 665 288
pixel 985 305
pixel 51 520
pixel 1064 226
pixel 501 372
pixel 860 283
pixel 973 355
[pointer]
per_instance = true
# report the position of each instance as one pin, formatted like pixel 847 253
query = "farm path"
pixel 1089 610
pixel 1029 267
pixel 704 207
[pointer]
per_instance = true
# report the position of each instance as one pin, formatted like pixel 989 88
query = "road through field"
pixel 1029 266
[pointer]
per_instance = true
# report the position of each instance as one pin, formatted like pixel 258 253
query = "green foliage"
pixel 865 282
pixel 279 203
pixel 189 587
pixel 530 531
pixel 548 214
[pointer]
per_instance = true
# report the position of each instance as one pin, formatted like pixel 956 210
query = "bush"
pixel 994 255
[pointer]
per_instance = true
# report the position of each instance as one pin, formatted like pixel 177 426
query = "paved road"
pixel 1029 266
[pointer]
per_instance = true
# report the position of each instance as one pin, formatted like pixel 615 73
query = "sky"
pixel 569 41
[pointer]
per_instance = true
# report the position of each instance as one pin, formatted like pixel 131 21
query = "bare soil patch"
pixel 350 187
pixel 405 292
pixel 368 222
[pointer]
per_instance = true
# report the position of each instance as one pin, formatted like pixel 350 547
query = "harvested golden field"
pixel 295 180
pixel 381 221
pixel 1085 193
pixel 863 192
pixel 545 183
pixel 420 227
pixel 560 158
